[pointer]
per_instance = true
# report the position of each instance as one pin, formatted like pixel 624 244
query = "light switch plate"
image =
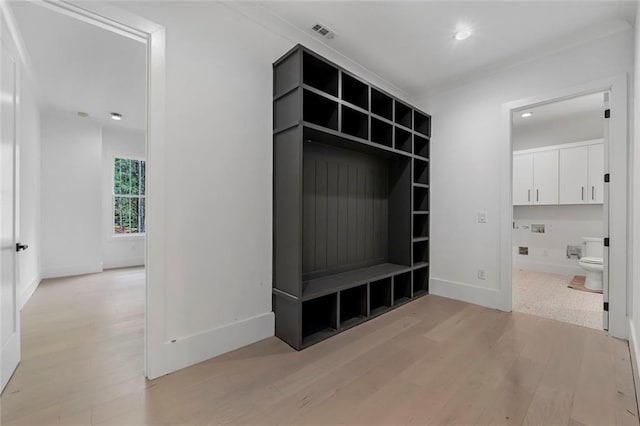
pixel 482 217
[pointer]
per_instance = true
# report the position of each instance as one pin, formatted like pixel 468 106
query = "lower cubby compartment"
pixel 401 288
pixel 353 306
pixel 420 281
pixel 319 318
pixel 420 199
pixel 420 225
pixel 420 252
pixel 380 296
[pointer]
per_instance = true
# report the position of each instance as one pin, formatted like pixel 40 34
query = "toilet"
pixel 592 262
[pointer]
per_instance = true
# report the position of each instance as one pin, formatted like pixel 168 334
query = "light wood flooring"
pixel 433 361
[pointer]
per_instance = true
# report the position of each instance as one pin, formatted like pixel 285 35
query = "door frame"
pixel 120 21
pixel 617 150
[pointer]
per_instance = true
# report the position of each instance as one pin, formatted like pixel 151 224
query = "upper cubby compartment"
pixel 403 140
pixel 381 132
pixel 421 146
pixel 320 110
pixel 381 104
pixel 403 114
pixel 319 74
pixel 422 123
pixel 355 123
pixel 355 92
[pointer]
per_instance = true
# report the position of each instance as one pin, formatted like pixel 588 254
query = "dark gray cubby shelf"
pixel 350 200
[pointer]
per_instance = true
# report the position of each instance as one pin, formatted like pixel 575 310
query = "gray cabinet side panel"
pixel 288 317
pixel 286 74
pixel 286 110
pixel 287 158
pixel 400 238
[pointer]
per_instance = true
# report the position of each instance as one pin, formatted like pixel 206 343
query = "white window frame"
pixel 132 235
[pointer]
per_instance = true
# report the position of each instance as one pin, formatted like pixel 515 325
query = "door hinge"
pixel 606 242
pixel 607 113
pixel 606 307
pixel 606 178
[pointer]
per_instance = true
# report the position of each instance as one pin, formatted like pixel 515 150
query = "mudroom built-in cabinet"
pixel 350 202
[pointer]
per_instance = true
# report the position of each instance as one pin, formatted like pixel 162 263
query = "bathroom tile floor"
pixel 547 295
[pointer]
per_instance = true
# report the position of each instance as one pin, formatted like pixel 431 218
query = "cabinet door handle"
pixel 582 192
pixel 528 195
pixel 537 197
pixel 593 193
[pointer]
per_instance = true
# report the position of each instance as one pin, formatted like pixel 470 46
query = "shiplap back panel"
pixel 345 210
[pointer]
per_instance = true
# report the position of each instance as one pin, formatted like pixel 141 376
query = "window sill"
pixel 128 236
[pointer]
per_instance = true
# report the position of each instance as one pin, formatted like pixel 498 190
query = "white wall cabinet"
pixel 574 165
pixel 595 180
pixel 522 179
pixel 571 174
pixel 535 178
pixel 545 177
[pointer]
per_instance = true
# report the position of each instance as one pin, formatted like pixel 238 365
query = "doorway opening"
pixel 560 209
pixel 96 121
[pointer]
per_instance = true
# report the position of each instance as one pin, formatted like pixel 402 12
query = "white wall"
pixel 29 181
pixel 71 195
pixel 119 250
pixel 216 290
pixel 576 128
pixel 467 140
pixel 564 225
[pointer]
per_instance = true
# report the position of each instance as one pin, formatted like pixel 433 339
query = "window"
pixel 128 196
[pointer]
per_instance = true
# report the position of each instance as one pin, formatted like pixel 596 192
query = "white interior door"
pixel 573 175
pixel 10 312
pixel 596 171
pixel 522 179
pixel 545 177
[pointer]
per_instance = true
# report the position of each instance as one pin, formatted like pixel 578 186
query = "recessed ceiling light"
pixel 82 114
pixel 526 114
pixel 463 34
pixel 116 116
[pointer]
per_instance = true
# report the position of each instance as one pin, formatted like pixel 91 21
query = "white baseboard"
pixel 190 350
pixel 488 297
pixel 635 356
pixel 71 270
pixel 29 290
pixel 548 267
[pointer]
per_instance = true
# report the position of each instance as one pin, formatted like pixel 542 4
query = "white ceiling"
pixel 80 67
pixel 583 106
pixel 411 44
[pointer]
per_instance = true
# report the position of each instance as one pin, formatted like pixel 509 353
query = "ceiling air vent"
pixel 323 31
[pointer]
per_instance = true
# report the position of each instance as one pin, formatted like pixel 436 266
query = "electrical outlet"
pixel 482 274
pixel 482 217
